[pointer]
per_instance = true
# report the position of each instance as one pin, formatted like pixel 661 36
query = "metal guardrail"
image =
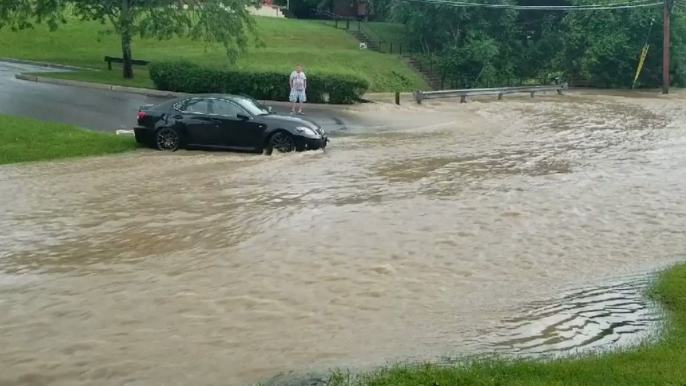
pixel 419 96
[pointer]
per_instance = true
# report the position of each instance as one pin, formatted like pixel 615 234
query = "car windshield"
pixel 252 106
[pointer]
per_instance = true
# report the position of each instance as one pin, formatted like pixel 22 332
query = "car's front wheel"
pixel 168 139
pixel 281 142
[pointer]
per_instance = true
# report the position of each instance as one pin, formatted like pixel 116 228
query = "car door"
pixel 202 127
pixel 240 129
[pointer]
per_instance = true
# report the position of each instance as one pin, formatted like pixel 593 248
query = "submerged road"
pixel 96 109
pixel 455 230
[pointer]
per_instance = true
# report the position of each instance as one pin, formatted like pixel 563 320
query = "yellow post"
pixel 644 53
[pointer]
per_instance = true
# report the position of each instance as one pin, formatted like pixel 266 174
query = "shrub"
pixel 183 76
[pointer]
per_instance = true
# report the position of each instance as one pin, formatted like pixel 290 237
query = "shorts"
pixel 297 96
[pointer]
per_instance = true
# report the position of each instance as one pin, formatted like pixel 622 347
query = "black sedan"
pixel 217 121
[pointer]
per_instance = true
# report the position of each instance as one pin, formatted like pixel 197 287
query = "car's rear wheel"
pixel 281 142
pixel 168 139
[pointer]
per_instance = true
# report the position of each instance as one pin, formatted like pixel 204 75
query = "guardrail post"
pixel 418 97
pixel 500 96
pixel 463 99
pixel 532 94
pixel 397 97
pixel 347 25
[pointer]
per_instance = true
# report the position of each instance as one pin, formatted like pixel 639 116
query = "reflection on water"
pixel 446 230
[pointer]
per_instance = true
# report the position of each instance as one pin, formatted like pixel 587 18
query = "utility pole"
pixel 665 49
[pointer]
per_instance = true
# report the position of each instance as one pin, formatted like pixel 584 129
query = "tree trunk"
pixel 125 24
pixel 126 55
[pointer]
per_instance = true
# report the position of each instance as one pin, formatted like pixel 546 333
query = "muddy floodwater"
pixel 516 226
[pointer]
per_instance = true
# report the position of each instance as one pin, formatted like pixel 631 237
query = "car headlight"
pixel 307 132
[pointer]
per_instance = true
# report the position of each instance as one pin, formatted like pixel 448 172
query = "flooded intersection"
pixel 444 230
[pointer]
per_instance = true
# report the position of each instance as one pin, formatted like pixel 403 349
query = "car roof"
pixel 225 96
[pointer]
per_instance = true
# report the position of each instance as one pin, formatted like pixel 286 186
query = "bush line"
pixel 184 76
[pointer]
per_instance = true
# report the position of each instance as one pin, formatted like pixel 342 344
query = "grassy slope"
pixel 316 46
pixel 663 363
pixel 389 32
pixel 23 140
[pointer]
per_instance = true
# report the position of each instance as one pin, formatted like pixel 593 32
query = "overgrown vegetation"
pixel 23 140
pixel 663 363
pixel 184 76
pixel 319 48
pixel 479 46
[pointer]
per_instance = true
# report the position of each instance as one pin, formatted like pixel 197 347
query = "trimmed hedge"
pixel 183 76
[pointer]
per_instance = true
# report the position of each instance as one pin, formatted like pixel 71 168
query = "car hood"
pixel 288 121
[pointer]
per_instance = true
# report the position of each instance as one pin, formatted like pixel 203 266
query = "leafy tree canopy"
pixel 490 45
pixel 225 21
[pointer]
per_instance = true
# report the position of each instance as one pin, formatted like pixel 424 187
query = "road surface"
pixel 96 109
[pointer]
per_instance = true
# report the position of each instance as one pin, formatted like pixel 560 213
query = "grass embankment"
pixel 662 363
pixel 391 38
pixel 316 46
pixel 24 140
pixel 386 32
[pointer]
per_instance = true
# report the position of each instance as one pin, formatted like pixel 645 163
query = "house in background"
pixel 268 9
pixel 358 9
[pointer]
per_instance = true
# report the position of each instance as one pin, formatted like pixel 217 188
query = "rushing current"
pixel 438 230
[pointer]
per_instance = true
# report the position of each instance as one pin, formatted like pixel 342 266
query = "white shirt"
pixel 298 79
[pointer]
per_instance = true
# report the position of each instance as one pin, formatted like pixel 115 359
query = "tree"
pixel 466 44
pixel 224 21
pixel 490 46
pixel 605 46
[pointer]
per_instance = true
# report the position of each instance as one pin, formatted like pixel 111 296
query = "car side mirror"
pixel 242 116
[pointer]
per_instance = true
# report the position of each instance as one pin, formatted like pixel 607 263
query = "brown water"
pixel 449 229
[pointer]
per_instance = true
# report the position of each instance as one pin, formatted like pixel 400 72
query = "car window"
pixel 195 105
pixel 226 108
pixel 254 107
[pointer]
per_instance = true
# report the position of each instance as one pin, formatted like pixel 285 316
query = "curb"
pixel 45 64
pixel 100 86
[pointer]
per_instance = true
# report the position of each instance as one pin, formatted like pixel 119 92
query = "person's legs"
pixel 301 99
pixel 293 97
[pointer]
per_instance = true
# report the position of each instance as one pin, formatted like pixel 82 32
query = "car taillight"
pixel 141 115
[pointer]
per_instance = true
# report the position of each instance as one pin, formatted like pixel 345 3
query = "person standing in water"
pixel 298 84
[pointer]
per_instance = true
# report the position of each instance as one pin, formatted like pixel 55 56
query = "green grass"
pixel 383 33
pixel 388 32
pixel 317 47
pixel 25 140
pixel 662 363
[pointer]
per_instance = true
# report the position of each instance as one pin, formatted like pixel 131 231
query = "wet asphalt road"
pixel 95 109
